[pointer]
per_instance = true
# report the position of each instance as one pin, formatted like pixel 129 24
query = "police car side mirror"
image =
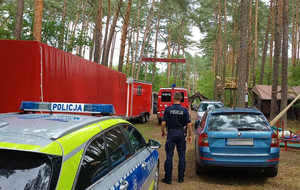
pixel 153 144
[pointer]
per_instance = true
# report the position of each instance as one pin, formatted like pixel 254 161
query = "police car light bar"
pixel 103 109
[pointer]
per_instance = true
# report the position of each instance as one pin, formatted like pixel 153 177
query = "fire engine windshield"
pixel 167 97
pixel 26 170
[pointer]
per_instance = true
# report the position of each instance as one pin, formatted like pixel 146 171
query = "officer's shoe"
pixel 166 181
pixel 180 180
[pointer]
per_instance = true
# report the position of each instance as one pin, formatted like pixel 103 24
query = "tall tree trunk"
pixel 38 20
pixel 86 32
pixel 82 32
pixel 225 52
pixel 294 33
pixel 297 32
pixel 132 55
pixel 187 74
pixel 233 63
pixel 147 52
pixel 298 49
pixel 284 85
pixel 19 20
pixel 249 48
pixel 276 59
pixel 128 53
pixel 255 45
pixel 62 30
pixel 155 46
pixel 181 71
pixel 137 40
pixel 92 45
pixel 178 52
pixel 216 58
pixel 124 35
pixel 112 50
pixel 111 33
pixel 242 60
pixel 169 52
pixel 98 32
pixel 149 17
pixel 70 46
pixel 220 91
pixel 264 55
pixel 106 27
pixel 272 45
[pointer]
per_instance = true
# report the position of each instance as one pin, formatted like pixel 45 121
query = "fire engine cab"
pixel 165 99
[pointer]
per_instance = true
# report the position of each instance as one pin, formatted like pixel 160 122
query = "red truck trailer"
pixel 33 71
pixel 165 99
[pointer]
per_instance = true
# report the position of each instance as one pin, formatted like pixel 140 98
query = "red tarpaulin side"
pixel 66 78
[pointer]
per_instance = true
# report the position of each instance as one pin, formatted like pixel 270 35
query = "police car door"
pixel 145 157
pixel 108 163
pixel 125 167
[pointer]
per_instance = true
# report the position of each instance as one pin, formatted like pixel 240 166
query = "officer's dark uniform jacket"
pixel 176 118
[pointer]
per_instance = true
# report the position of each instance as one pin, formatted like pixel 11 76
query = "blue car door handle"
pixel 144 165
pixel 124 185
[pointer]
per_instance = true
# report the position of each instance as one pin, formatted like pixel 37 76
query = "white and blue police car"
pixel 74 151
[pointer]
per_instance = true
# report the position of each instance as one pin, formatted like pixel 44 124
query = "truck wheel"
pixel 143 119
pixel 159 121
pixel 147 117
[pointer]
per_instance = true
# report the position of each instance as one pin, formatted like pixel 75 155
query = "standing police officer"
pixel 175 119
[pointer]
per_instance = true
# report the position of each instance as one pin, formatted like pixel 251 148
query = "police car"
pixel 74 151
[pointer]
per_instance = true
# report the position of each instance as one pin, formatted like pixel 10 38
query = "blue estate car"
pixel 236 138
pixel 74 151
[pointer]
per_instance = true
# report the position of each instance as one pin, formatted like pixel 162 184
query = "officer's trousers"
pixel 175 138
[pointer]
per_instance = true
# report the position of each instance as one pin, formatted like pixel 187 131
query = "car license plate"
pixel 240 142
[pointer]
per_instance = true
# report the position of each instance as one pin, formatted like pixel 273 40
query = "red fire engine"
pixel 165 99
pixel 33 71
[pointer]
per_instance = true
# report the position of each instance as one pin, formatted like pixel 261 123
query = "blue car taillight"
pixel 203 140
pixel 274 141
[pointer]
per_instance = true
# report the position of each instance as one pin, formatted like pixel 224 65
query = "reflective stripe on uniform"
pixel 69 171
pixel 19 146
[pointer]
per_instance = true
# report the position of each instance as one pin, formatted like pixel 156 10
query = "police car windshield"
pixel 25 170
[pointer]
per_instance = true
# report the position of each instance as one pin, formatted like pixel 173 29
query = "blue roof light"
pixel 103 109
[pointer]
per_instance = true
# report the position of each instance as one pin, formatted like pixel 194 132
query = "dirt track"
pixel 287 178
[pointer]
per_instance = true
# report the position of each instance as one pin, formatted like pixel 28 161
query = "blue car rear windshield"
pixel 237 122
